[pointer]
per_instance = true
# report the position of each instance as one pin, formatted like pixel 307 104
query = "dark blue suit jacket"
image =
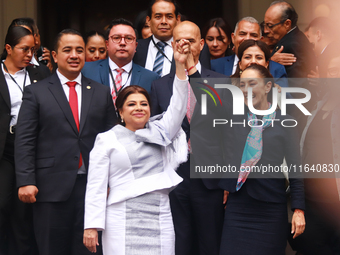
pixel 225 66
pixel 99 72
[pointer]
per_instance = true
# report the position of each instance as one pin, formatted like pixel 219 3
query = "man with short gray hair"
pixel 245 29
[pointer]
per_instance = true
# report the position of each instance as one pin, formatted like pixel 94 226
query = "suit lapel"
pixel 204 74
pixel 104 72
pixel 4 89
pixel 33 73
pixel 87 92
pixel 135 75
pixel 57 90
pixel 229 65
pixel 144 51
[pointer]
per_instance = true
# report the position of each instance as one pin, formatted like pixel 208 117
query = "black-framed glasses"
pixel 118 38
pixel 270 26
pixel 25 50
pixel 333 71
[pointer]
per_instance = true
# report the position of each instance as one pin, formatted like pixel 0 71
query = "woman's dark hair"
pixel 139 23
pixel 247 44
pixel 13 37
pixel 127 91
pixel 28 22
pixel 250 43
pixel 265 74
pixel 88 35
pixel 219 23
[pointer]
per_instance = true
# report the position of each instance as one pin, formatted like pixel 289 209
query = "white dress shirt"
pixel 34 61
pixel 66 89
pixel 152 52
pixel 235 64
pixel 126 75
pixel 15 93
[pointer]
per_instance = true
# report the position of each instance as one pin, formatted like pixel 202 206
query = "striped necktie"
pixel 118 82
pixel 158 65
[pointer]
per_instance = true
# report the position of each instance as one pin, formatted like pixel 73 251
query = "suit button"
pixel 75 158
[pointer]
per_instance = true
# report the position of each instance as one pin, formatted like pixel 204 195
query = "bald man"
pixel 196 204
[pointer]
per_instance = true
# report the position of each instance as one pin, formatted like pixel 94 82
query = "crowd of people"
pixel 99 137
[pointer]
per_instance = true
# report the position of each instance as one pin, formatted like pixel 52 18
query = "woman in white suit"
pixel 137 161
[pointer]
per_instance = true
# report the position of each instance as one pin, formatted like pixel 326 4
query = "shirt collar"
pixel 199 67
pixel 63 79
pixel 34 61
pixel 113 66
pixel 7 74
pixel 323 49
pixel 236 60
pixel 291 30
pixel 167 42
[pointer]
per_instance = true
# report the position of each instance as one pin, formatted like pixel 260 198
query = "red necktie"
pixel 73 101
pixel 118 82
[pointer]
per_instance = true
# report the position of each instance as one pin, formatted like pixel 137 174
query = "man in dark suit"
pixel 121 52
pixel 196 204
pixel 58 123
pixel 246 28
pixel 321 35
pixel 280 25
pixel 15 216
pixel 163 17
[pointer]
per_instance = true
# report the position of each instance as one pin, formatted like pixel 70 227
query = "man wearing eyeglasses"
pixel 118 70
pixel 280 25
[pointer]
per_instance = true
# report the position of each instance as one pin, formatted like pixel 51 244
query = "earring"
pixel 122 120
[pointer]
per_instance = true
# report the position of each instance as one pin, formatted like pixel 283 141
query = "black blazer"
pixel 278 142
pixel 297 43
pixel 36 73
pixel 161 92
pixel 143 48
pixel 48 144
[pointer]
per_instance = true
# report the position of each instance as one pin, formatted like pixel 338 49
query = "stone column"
pixel 11 9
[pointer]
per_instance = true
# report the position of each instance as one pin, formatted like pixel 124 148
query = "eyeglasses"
pixel 270 26
pixel 26 50
pixel 118 38
pixel 333 71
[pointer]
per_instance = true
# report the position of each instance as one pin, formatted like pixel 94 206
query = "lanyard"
pixel 113 81
pixel 23 86
pixel 159 49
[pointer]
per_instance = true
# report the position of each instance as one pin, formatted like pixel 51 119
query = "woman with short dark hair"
pixel 137 160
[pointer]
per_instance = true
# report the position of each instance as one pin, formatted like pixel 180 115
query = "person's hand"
pixel 27 193
pixel 181 52
pixel 298 223
pixel 90 239
pixel 286 59
pixel 313 77
pixel 225 198
pixel 47 56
